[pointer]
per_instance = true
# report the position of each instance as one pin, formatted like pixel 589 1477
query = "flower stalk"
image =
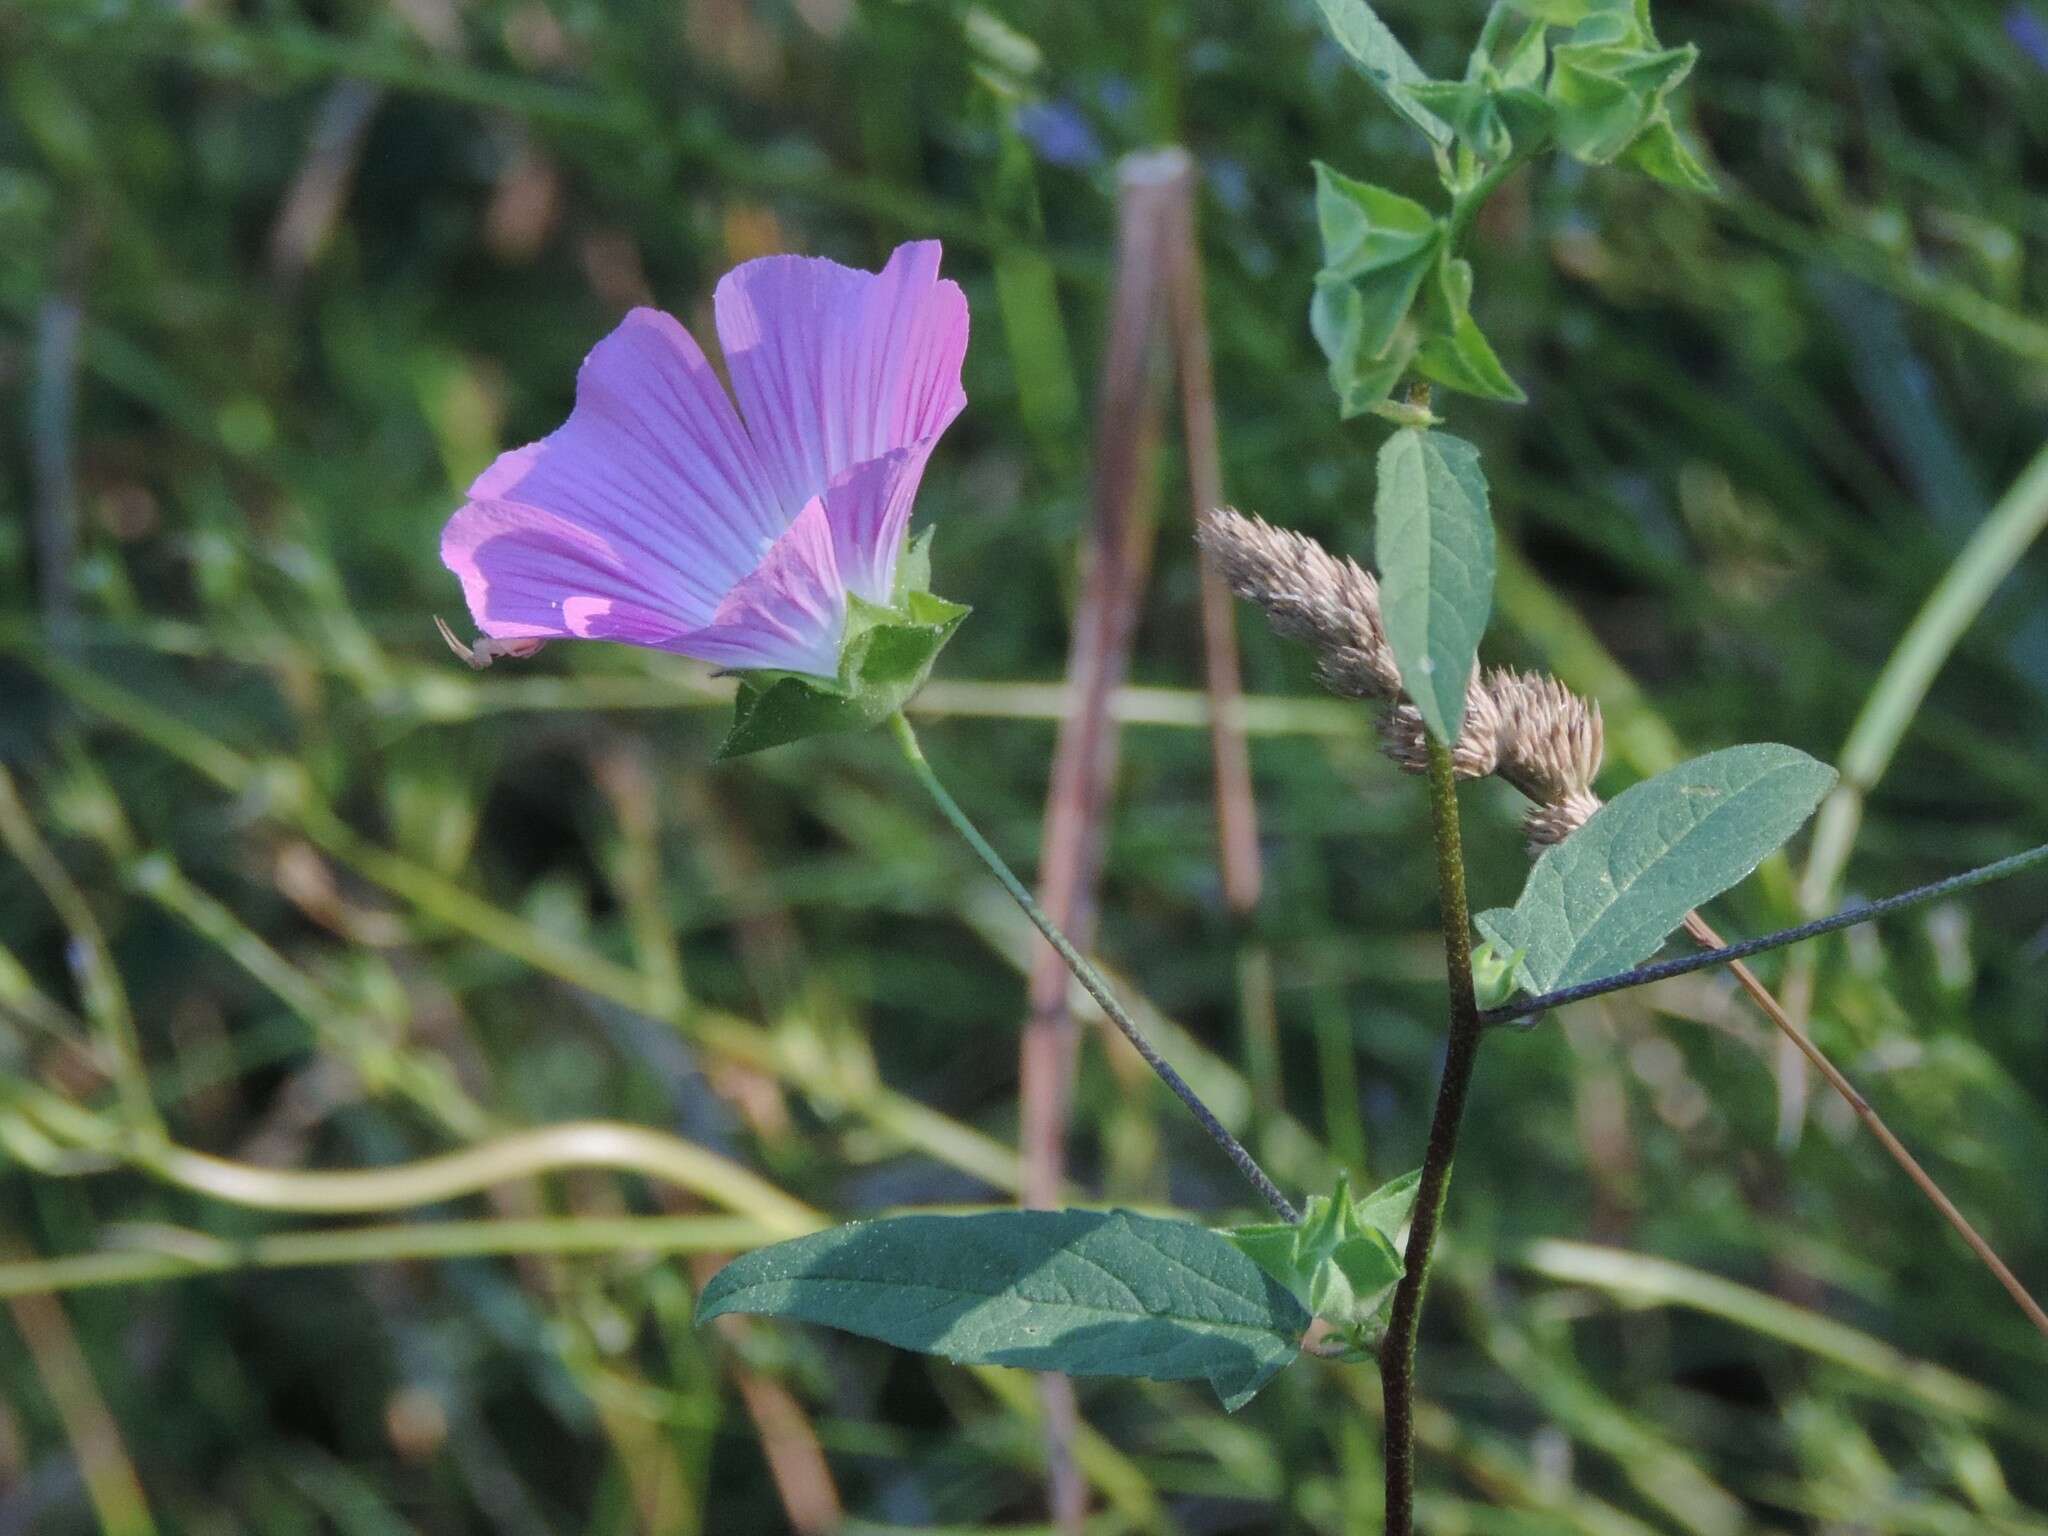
pixel 1090 978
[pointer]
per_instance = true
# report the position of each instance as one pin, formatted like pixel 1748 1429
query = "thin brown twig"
pixel 789 1443
pixel 1084 761
pixel 1701 933
pixel 1237 823
pixel 1237 820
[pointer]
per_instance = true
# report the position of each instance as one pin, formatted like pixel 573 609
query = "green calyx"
pixel 1343 1261
pixel 1610 85
pixel 1493 976
pixel 885 657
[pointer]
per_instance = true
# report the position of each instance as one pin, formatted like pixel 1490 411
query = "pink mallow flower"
pixel 659 515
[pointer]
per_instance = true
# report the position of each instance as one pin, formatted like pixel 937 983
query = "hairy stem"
pixel 1087 975
pixel 1397 1351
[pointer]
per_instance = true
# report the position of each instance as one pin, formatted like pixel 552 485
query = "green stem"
pixel 1087 975
pixel 653 1154
pixel 151 1253
pixel 105 999
pixel 1465 205
pixel 1397 1351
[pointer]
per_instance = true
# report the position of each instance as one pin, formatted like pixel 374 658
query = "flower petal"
pixel 650 496
pixel 528 573
pixel 868 508
pixel 790 613
pixel 834 367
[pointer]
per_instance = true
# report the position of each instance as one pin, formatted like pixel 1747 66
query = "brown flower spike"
pixel 1526 728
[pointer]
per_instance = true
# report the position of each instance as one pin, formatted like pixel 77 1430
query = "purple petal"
pixel 530 574
pixel 790 613
pixel 650 500
pixel 868 508
pixel 835 367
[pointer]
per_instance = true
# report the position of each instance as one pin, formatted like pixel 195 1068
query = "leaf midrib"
pixel 921 1287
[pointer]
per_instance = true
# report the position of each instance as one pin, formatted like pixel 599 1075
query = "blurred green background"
pixel 277 278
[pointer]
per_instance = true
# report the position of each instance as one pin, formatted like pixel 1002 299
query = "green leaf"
pixel 1607 896
pixel 1433 541
pixel 1089 1293
pixel 1382 60
pixel 885 658
pixel 1454 352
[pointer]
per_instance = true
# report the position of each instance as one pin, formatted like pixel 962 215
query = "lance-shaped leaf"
pixel 1433 541
pixel 1607 896
pixel 1090 1293
pixel 1382 60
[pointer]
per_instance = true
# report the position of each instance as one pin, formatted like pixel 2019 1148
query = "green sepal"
pixel 1611 84
pixel 1493 975
pixel 1272 1247
pixel 1355 1280
pixel 1387 1209
pixel 1468 106
pixel 1522 69
pixel 1659 152
pixel 1499 107
pixel 1378 249
pixel 1342 1262
pixel 885 658
pixel 1361 382
pixel 1559 13
pixel 1379 242
pixel 1454 352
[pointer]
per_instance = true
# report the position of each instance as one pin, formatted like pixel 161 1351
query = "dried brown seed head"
pixel 1548 825
pixel 1551 740
pixel 1308 594
pixel 1478 749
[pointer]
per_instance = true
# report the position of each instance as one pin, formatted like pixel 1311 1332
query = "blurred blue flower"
pixel 2025 27
pixel 1060 134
